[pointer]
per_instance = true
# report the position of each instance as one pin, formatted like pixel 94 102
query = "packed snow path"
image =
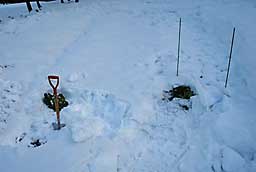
pixel 115 58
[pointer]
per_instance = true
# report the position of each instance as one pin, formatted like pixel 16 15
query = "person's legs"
pixel 29 6
pixel 38 5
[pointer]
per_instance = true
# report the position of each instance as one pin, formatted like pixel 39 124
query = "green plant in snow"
pixel 49 101
pixel 182 92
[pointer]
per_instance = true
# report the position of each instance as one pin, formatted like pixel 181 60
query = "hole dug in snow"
pixel 182 94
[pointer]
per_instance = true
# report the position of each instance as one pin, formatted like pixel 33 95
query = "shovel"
pixel 51 78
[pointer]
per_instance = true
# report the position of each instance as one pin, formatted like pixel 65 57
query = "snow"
pixel 114 59
pixel 93 114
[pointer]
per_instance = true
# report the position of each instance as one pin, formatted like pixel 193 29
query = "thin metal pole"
pixel 178 60
pixel 230 56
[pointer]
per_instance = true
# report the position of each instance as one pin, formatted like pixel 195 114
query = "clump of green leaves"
pixel 49 101
pixel 182 91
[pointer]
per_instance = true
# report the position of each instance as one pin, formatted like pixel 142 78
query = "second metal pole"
pixel 230 56
pixel 178 60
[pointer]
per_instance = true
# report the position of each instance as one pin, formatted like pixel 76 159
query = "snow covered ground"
pixel 114 59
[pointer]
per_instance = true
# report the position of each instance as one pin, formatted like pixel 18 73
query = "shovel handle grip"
pixel 53 77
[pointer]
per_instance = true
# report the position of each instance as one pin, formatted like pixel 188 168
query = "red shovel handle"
pixel 52 77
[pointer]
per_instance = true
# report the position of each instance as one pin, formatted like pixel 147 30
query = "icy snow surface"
pixel 114 59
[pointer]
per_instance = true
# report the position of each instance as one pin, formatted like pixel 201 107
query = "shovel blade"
pixel 55 126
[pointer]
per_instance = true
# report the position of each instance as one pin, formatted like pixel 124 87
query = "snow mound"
pixel 75 77
pixel 232 161
pixel 236 134
pixel 93 113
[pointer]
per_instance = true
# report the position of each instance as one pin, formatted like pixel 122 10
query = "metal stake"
pixel 230 56
pixel 178 60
